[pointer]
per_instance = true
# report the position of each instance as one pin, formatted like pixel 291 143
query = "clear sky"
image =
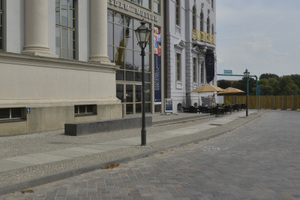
pixel 261 35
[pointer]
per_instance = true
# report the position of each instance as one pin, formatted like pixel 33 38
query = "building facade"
pixel 54 65
pixel 124 16
pixel 190 50
pixel 64 61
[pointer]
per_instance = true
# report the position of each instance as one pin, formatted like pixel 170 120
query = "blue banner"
pixel 210 67
pixel 157 65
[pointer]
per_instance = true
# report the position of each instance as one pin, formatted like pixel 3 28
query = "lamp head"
pixel 142 35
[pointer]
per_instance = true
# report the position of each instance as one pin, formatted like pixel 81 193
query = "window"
pixel 11 114
pixel 201 21
pixel 81 110
pixel 65 28
pixel 208 25
pixel 202 73
pixel 177 12
pixel 178 67
pixel 125 52
pixel 212 4
pixel 194 17
pixel 1 24
pixel 194 70
pixel 156 6
pixel 212 30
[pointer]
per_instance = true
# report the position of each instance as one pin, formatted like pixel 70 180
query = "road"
pixel 260 160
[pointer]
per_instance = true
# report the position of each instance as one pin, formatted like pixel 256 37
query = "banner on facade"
pixel 157 66
pixel 210 67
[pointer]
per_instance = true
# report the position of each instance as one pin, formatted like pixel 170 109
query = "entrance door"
pixel 131 97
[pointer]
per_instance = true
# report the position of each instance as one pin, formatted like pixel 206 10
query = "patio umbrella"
pixel 231 90
pixel 207 88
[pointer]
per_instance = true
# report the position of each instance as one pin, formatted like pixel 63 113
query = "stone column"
pixel 98 29
pixel 36 28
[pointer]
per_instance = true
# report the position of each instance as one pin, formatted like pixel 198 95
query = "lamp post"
pixel 142 35
pixel 246 75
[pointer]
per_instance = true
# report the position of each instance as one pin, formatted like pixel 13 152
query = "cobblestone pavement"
pixel 258 161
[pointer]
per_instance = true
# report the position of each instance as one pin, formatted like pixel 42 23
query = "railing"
pixel 203 36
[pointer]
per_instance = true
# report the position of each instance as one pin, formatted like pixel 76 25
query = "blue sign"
pixel 28 110
pixel 258 89
pixel 226 71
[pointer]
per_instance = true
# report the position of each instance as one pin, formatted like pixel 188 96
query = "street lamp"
pixel 246 75
pixel 142 35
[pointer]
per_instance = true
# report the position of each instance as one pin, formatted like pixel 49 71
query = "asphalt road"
pixel 260 160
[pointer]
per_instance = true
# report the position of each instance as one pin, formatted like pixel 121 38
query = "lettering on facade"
pixel 139 12
pixel 119 4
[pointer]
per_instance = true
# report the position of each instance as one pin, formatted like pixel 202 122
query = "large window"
pixel 126 53
pixel 178 67
pixel 194 70
pixel 1 24
pixel 65 28
pixel 177 12
pixel 194 17
pixel 202 73
pixel 201 21
pixel 208 25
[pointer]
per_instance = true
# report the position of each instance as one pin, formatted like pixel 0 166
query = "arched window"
pixel 201 21
pixel 177 12
pixel 194 17
pixel 212 30
pixel 208 25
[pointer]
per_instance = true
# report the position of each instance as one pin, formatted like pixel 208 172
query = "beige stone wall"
pixel 51 88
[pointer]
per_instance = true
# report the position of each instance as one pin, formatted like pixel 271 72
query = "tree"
pixel 224 84
pixel 288 87
pixel 267 76
pixel 296 79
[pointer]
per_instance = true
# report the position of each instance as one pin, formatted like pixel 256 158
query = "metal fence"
pixel 267 102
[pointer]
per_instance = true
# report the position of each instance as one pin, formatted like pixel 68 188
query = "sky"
pixel 260 35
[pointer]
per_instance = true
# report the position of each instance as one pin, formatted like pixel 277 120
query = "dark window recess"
pixel 12 113
pixel 80 110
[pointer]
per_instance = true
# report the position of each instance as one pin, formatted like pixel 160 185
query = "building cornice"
pixel 36 61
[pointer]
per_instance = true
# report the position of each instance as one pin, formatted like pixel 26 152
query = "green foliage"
pixel 270 84
pixel 267 76
pixel 288 86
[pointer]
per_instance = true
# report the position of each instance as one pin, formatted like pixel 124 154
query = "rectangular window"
pixel 65 28
pixel 12 114
pixel 202 73
pixel 82 110
pixel 194 70
pixel 156 6
pixel 1 24
pixel 178 67
pixel 177 13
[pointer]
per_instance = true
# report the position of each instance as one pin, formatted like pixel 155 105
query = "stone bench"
pixel 82 128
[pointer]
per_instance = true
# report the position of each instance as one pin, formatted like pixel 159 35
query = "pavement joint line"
pixel 62 175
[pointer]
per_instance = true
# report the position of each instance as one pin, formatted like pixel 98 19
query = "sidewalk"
pixel 35 159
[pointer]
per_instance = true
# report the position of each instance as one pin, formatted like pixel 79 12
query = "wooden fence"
pixel 267 102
